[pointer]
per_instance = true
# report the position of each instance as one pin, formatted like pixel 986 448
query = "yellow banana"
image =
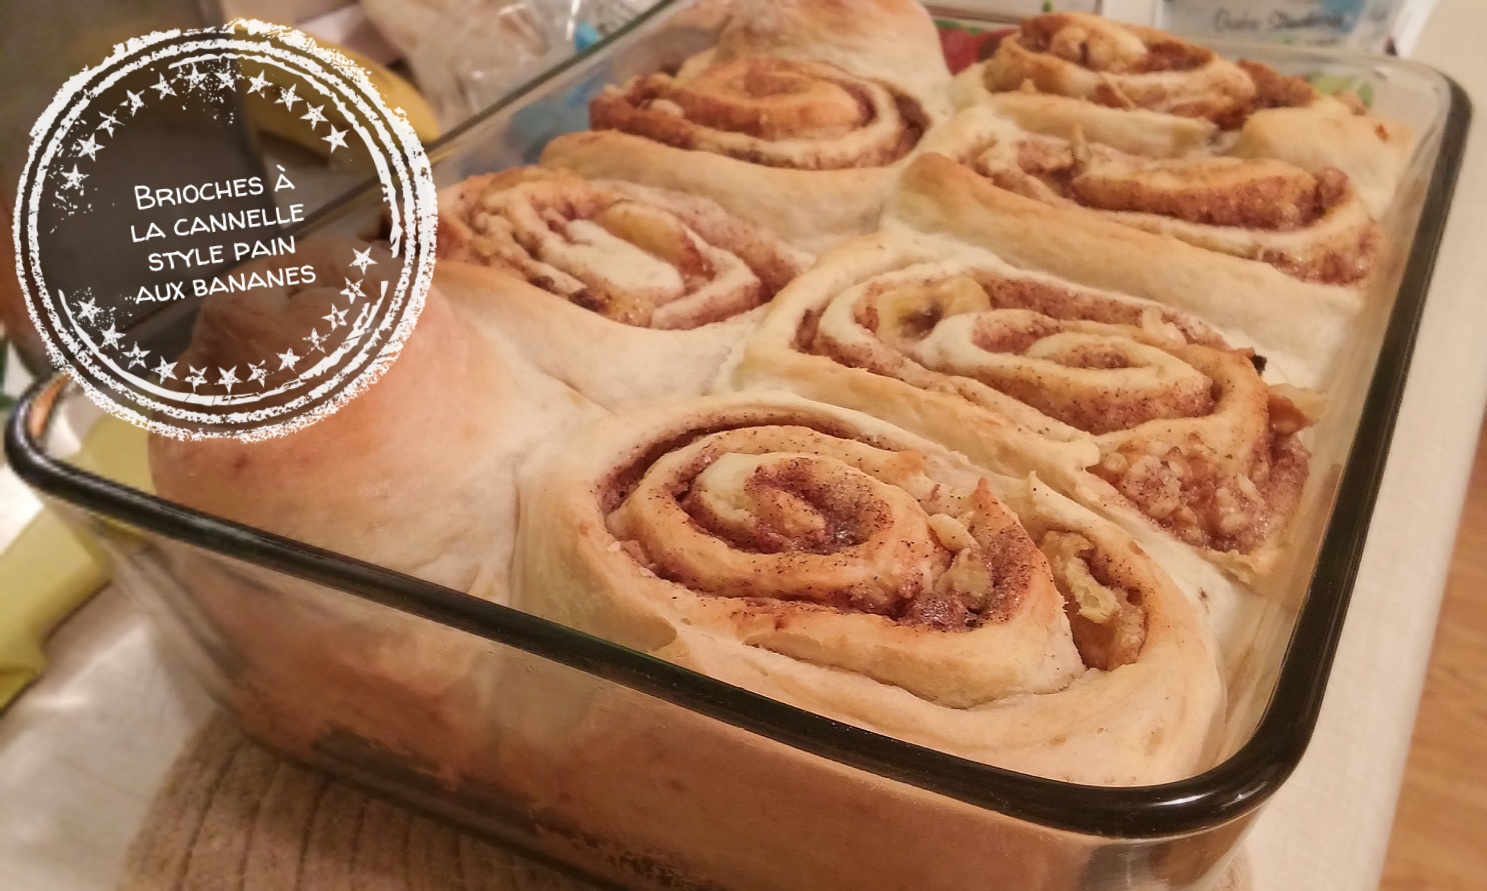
pixel 269 116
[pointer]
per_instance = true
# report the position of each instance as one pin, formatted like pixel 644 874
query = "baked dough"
pixel 1312 227
pixel 1116 65
pixel 797 120
pixel 1373 152
pixel 416 474
pixel 830 560
pixel 1150 134
pixel 446 420
pixel 1148 93
pixel 1135 408
pixel 893 40
pixel 1294 122
pixel 1300 327
pixel 625 292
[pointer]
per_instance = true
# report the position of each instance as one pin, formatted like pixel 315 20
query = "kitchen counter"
pixel 1328 827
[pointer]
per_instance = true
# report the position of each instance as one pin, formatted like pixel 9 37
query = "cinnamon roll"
pixel 1118 66
pixel 797 120
pixel 1134 407
pixel 1300 326
pixel 417 474
pixel 1314 228
pixel 1373 152
pixel 1148 93
pixel 833 561
pixel 660 284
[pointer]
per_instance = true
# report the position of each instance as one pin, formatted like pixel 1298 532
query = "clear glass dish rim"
pixel 1226 792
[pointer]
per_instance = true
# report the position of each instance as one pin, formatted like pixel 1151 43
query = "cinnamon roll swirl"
pixel 1301 327
pixel 774 112
pixel 659 283
pixel 1124 67
pixel 1151 94
pixel 1119 66
pixel 796 120
pixel 1314 228
pixel 1131 406
pixel 833 561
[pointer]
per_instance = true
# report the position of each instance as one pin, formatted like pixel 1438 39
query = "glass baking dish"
pixel 640 773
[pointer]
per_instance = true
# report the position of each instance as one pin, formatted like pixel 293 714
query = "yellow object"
pixel 271 117
pixel 115 450
pixel 49 571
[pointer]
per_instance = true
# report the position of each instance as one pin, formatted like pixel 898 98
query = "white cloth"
pixel 83 751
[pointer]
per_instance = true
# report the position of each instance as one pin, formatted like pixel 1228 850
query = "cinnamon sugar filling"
pixel 773 112
pixel 822 521
pixel 1253 194
pixel 1104 52
pixel 1107 369
pixel 614 251
pixel 1106 618
pixel 1333 242
pixel 1127 68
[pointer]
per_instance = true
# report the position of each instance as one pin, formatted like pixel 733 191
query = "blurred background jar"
pixel 1366 25
pixel 1355 24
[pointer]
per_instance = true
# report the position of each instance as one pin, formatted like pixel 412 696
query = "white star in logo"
pixel 108 124
pixel 89 147
pixel 337 138
pixel 337 318
pixel 315 116
pixel 317 340
pixel 73 179
pixel 257 83
pixel 288 359
pixel 197 377
pixel 135 102
pixel 287 98
pixel 362 261
pixel 352 290
pixel 165 370
pixel 194 78
pixel 227 79
pixel 256 373
pixel 229 377
pixel 87 310
pixel 137 356
pixel 162 87
pixel 111 336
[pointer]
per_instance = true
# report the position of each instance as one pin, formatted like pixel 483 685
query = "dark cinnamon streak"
pixel 1185 492
pixel 630 111
pixel 849 516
